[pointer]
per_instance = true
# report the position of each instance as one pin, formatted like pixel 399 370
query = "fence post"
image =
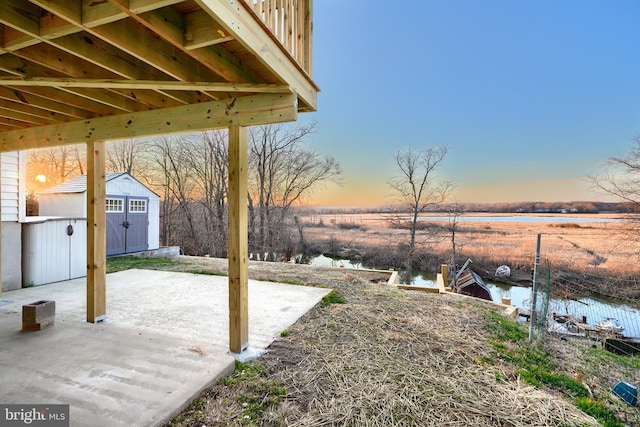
pixel 534 291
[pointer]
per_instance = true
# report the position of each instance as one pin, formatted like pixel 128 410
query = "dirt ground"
pixel 383 357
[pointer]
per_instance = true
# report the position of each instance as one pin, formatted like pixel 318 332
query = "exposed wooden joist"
pixel 14 40
pixel 40 106
pixel 25 68
pixel 90 49
pixel 103 12
pixel 31 119
pixel 10 124
pixel 111 58
pixel 57 96
pixel 171 27
pixel 93 49
pixel 145 84
pixel 20 15
pixel 242 23
pixel 68 65
pixel 95 13
pixel 139 42
pixel 30 111
pixel 144 45
pixel 242 111
pixel 65 17
pixel 201 30
pixel 105 97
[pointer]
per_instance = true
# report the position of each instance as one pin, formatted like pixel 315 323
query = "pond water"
pixel 325 261
pixel 593 309
pixel 524 218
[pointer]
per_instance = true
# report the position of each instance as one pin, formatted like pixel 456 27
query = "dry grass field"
pixel 582 244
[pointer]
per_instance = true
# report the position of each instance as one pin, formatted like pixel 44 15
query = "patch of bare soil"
pixel 384 357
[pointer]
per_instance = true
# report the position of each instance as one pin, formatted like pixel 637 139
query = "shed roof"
pixel 79 184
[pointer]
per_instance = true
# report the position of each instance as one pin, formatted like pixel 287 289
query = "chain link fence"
pixel 540 301
pixel 565 304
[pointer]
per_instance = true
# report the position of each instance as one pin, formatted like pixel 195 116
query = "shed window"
pixel 137 206
pixel 115 205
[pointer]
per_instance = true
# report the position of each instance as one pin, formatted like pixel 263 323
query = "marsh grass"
pixel 511 241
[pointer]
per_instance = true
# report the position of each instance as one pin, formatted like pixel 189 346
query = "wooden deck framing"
pixel 84 71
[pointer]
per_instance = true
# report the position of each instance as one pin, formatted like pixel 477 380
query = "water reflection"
pixel 593 309
pixel 525 218
pixel 325 261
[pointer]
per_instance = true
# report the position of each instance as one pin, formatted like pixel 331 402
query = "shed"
pixel 53 249
pixel 132 210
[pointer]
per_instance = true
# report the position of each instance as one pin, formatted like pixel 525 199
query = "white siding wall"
pixel 13 201
pixel 12 186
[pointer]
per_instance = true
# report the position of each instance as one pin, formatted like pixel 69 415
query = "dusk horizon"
pixel 527 114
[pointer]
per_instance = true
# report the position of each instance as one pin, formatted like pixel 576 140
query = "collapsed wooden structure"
pixel 468 282
pixel 84 71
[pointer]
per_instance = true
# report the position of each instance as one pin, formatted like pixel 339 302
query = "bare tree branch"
pixel 417 187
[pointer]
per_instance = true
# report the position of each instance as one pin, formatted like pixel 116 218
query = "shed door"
pixel 116 233
pixel 127 224
pixel 137 227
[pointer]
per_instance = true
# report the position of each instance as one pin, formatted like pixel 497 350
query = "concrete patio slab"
pixel 164 340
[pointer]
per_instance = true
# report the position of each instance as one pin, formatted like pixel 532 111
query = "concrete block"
pixel 38 315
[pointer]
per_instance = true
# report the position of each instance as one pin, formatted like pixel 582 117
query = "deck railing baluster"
pixel 290 22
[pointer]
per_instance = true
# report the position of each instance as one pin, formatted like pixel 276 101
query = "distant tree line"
pixel 190 173
pixel 516 207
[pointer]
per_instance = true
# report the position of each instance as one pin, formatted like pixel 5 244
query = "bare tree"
pixel 47 167
pixel 178 225
pixel 130 155
pixel 452 228
pixel 190 173
pixel 418 188
pixel 620 178
pixel 56 164
pixel 283 171
pixel 207 156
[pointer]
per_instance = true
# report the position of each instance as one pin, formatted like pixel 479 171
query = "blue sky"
pixel 529 96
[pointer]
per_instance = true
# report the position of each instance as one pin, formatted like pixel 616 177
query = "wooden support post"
pixel 0 232
pixel 96 232
pixel 238 244
pixel 444 270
